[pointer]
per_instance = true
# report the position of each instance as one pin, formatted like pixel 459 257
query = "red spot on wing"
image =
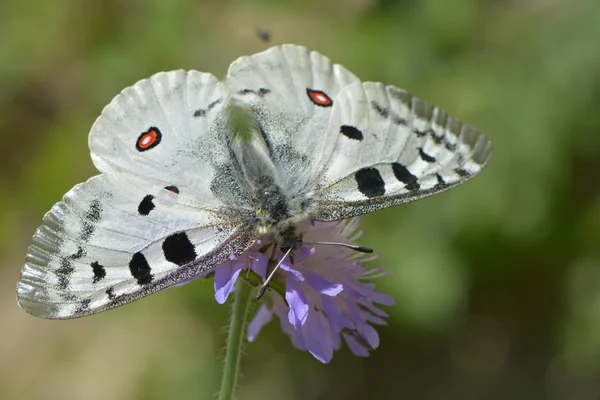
pixel 149 139
pixel 319 98
pixel 173 189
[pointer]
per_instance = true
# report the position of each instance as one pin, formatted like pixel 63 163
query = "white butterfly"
pixel 180 191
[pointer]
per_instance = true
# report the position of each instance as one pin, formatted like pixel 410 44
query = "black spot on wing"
pixel 351 132
pixel 93 212
pixel 260 92
pixel 99 272
pixel 441 183
pixel 370 183
pixel 384 112
pixel 80 254
pixel 87 230
pixel 63 272
pixel 426 157
pixel 178 249
pixel 173 189
pixel 403 175
pixel 202 112
pixel 396 119
pixel 146 205
pixel 83 306
pixel 450 146
pixel 110 292
pixel 437 139
pixel 421 133
pixel 140 269
pixel 213 104
pixel 462 172
pixel 92 217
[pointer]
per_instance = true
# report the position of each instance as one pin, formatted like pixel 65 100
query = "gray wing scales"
pixel 391 148
pixel 350 147
pixel 116 238
pixel 290 91
pixel 171 127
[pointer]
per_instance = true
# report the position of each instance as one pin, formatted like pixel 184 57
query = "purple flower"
pixel 320 297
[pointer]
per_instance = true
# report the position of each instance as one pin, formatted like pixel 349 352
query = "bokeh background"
pixel 497 283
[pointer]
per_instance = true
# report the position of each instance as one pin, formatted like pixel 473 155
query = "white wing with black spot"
pixel 291 91
pixel 391 148
pixel 346 146
pixel 116 238
pixel 171 127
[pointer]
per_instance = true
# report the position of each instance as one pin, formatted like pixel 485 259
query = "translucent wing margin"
pixel 116 238
pixel 385 147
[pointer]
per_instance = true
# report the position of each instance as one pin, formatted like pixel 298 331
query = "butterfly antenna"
pixel 265 285
pixel 361 249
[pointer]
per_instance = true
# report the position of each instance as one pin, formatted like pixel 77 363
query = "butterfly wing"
pixel 171 202
pixel 351 147
pixel 391 148
pixel 171 127
pixel 291 92
pixel 116 238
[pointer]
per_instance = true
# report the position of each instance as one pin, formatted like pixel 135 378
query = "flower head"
pixel 320 296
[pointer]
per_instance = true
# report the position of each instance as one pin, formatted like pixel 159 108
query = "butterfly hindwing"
pixel 392 148
pixel 117 238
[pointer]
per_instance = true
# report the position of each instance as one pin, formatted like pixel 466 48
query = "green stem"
pixel 237 327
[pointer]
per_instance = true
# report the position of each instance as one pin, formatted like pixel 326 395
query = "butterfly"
pixel 182 188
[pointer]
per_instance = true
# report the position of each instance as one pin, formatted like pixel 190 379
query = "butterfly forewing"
pixel 171 127
pixel 291 91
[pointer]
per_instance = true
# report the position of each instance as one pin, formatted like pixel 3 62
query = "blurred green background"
pixel 497 283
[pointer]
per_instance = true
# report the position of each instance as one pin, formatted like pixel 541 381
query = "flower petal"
pixel 373 308
pixel 322 285
pixel 225 277
pixel 369 334
pixel 382 299
pixel 355 346
pixel 336 319
pixel 317 335
pixel 303 254
pixel 262 317
pixel 281 310
pixel 297 301
pixel 259 263
pixel 286 265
